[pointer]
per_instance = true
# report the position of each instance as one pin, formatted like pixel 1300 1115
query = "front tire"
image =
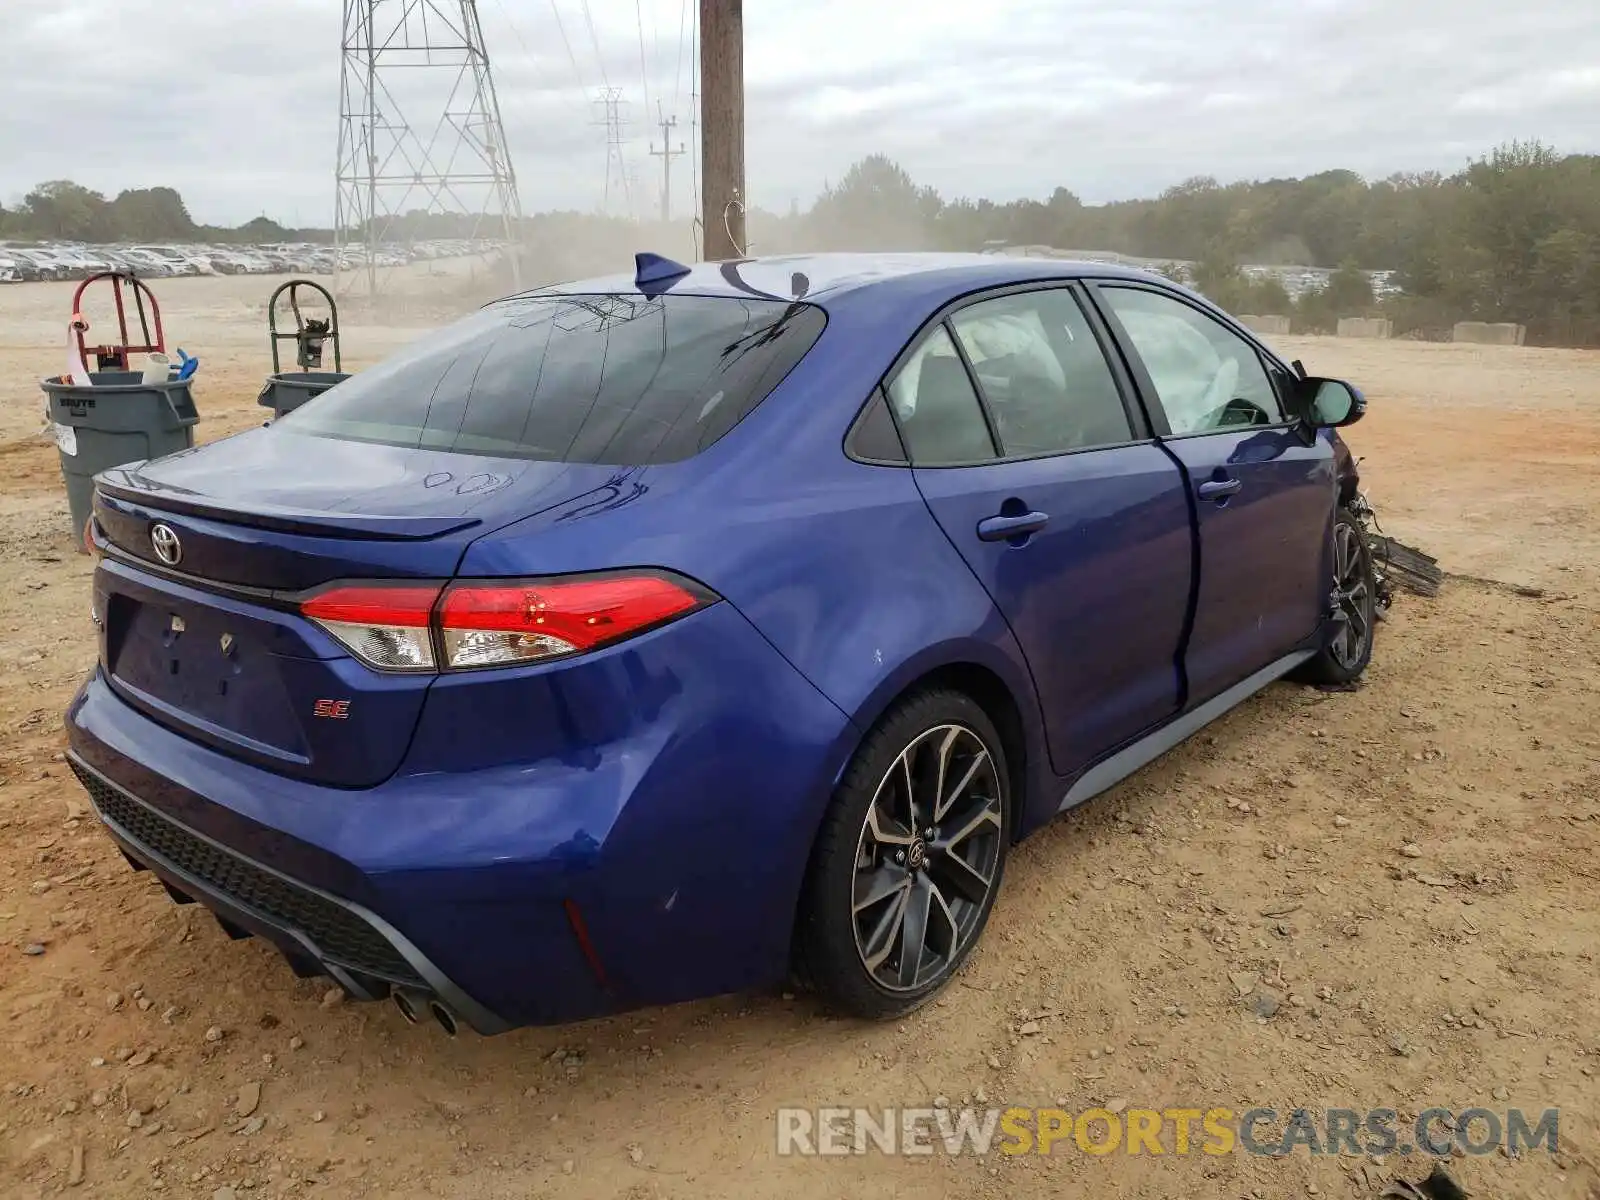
pixel 909 858
pixel 1355 590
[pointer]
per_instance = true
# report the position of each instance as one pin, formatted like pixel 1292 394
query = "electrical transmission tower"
pixel 419 130
pixel 611 105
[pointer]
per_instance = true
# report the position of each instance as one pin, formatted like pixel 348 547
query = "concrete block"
pixel 1490 333
pixel 1265 325
pixel 1365 327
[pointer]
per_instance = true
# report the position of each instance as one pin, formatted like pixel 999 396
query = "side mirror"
pixel 1334 403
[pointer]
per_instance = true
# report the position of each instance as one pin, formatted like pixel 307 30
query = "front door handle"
pixel 1003 529
pixel 1219 489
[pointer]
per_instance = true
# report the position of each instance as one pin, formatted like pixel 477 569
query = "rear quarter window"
pixel 623 379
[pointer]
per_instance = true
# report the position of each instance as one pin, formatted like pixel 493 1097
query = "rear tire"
pixel 1346 655
pixel 909 859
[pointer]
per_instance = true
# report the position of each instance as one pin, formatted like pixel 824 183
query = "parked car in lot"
pixel 238 262
pixel 56 261
pixel 23 268
pixel 82 261
pixel 37 264
pixel 142 263
pixel 224 262
pixel 185 260
pixel 649 638
pixel 71 262
pixel 146 262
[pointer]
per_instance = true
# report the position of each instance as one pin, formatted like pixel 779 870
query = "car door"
pixel 1264 490
pixel 1032 456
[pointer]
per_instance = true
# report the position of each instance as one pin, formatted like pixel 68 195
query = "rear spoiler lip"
pixel 350 526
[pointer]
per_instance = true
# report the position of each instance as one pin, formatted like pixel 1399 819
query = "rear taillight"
pixel 491 623
pixel 91 546
pixel 385 627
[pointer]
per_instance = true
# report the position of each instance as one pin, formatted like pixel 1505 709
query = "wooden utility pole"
pixel 722 128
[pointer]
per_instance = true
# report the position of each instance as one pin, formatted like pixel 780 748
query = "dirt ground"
pixel 1411 867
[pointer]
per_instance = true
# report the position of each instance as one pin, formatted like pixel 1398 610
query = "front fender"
pixel 1344 465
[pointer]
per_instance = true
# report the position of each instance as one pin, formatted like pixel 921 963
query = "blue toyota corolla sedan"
pixel 684 632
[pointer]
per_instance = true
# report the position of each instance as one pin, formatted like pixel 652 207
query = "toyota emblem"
pixel 164 540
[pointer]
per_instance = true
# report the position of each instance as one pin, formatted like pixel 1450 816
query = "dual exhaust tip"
pixel 414 1005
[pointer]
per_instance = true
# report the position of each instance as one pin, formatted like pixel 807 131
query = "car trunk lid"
pixel 212 643
pixel 284 511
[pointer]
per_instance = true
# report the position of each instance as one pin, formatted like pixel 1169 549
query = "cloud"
pixel 235 102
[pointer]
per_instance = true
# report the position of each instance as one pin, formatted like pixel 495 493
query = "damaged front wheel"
pixel 1352 610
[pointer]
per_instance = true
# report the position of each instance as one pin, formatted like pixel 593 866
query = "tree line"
pixel 64 211
pixel 1512 236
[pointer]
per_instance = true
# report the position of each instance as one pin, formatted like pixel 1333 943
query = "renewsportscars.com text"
pixel 1175 1131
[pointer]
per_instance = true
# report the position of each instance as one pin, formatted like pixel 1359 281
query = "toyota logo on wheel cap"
pixel 164 541
pixel 917 856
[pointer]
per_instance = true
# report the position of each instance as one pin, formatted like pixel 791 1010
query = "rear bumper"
pixel 638 852
pixel 319 933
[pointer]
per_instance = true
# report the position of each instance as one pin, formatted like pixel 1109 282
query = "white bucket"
pixel 157 368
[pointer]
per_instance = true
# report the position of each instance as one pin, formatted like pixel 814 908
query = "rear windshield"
pixel 628 380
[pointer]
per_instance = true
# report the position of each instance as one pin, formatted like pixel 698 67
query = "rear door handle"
pixel 1219 489
pixel 1003 529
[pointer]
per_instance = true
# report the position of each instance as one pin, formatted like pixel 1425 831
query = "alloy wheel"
pixel 1353 595
pixel 927 859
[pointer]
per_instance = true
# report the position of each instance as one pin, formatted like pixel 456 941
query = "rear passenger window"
pixel 873 438
pixel 1043 374
pixel 940 419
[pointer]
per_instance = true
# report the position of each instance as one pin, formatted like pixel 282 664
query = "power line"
pixel 655 36
pixel 594 38
pixel 644 71
pixel 512 25
pixel 516 32
pixel 561 28
pixel 677 75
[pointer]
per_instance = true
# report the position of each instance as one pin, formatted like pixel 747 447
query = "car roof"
pixel 927 278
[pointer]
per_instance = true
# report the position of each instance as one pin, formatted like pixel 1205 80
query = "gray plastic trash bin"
pixel 286 392
pixel 120 419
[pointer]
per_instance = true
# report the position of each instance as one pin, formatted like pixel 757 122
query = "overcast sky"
pixel 235 102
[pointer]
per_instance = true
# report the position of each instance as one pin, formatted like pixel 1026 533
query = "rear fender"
pixel 996 652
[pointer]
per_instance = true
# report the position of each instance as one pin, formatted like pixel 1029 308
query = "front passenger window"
pixel 940 419
pixel 1206 376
